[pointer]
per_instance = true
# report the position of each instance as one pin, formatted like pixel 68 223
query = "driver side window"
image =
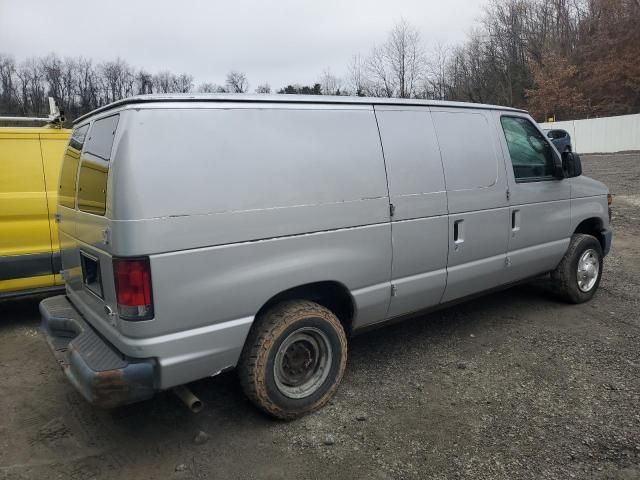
pixel 531 154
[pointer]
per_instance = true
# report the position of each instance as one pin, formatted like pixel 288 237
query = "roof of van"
pixel 285 98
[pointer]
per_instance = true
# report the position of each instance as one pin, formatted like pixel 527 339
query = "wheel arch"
pixel 330 294
pixel 592 226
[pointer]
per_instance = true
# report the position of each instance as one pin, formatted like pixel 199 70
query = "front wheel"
pixel 294 359
pixel 578 275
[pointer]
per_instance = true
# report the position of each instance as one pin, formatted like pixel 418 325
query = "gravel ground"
pixel 512 385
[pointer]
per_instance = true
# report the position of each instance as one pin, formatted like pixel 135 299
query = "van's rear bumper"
pixel 103 375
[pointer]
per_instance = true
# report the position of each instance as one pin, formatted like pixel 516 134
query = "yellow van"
pixel 30 160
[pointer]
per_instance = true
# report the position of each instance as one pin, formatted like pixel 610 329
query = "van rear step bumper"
pixel 104 376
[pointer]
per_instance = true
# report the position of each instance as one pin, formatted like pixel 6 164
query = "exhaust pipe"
pixel 192 402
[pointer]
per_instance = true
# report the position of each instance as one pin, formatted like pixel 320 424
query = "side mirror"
pixel 558 170
pixel 571 164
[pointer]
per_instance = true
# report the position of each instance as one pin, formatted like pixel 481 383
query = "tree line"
pixel 566 59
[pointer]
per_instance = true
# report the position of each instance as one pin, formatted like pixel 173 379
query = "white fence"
pixel 602 135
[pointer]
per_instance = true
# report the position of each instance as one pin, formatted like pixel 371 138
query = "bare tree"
pixel 118 80
pixel 52 74
pixel 397 66
pixel 145 82
pixel 163 82
pixel 59 77
pixel 357 79
pixel 382 83
pixel 406 58
pixel 329 83
pixel 237 82
pixel 7 84
pixel 208 87
pixel 86 86
pixel 436 81
pixel 183 83
pixel 264 88
pixel 31 87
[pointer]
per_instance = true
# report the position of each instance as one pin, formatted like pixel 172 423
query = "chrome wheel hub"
pixel 302 362
pixel 588 270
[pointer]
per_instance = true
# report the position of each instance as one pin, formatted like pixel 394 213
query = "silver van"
pixel 205 233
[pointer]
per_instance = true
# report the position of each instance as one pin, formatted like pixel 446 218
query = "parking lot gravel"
pixel 512 385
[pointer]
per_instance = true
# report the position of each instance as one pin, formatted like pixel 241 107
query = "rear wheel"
pixel 293 359
pixel 578 276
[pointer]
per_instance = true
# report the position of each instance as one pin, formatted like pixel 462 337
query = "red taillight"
pixel 133 288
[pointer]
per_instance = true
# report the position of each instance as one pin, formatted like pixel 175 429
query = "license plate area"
pixel 91 277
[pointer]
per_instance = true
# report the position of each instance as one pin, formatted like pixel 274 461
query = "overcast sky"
pixel 279 42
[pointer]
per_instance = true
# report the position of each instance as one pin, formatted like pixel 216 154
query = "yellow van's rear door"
pixel 53 148
pixel 25 238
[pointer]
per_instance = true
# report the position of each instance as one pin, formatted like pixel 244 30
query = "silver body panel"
pixel 235 201
pixel 539 218
pixel 417 191
pixel 476 191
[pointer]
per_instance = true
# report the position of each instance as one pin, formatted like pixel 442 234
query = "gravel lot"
pixel 512 385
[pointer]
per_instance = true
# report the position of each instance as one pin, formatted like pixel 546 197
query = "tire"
pixel 568 284
pixel 294 359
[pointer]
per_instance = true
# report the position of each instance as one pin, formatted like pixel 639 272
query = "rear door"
pixel 540 215
pixel 476 185
pixel 84 230
pixel 67 182
pixel 52 145
pixel 419 200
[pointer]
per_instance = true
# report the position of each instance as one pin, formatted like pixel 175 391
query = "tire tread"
pixel 263 336
pixel 563 277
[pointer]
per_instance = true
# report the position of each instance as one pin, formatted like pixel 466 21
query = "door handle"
pixel 515 221
pixel 458 232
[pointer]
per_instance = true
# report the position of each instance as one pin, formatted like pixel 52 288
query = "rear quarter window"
pixel 94 169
